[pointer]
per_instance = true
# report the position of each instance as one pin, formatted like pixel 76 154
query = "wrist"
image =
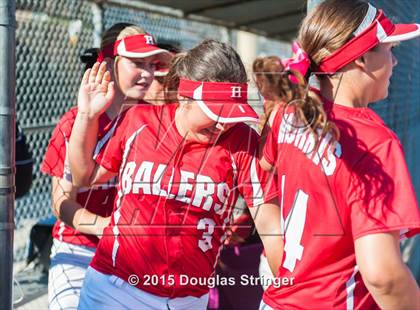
pixel 87 115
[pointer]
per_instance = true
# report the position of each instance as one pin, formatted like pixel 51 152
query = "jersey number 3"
pixel 207 225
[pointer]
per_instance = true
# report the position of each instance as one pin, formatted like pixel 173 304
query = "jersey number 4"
pixel 293 228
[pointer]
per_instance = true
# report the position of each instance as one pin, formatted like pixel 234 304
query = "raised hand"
pixel 96 91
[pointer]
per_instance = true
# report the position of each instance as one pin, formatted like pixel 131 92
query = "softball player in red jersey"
pixel 345 190
pixel 270 79
pixel 83 213
pixel 181 168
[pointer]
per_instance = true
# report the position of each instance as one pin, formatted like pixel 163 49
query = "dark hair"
pixel 210 61
pixel 172 47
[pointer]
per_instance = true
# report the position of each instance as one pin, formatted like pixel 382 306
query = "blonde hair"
pixel 117 32
pixel 120 31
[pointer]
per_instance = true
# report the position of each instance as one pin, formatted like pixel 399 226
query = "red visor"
pixel 221 102
pixel 375 28
pixel 136 46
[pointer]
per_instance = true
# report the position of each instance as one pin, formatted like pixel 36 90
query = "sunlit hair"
pixel 272 83
pixel 325 29
pixel 117 32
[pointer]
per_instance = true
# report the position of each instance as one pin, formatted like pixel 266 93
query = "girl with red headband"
pixel 181 168
pixel 345 191
pixel 82 213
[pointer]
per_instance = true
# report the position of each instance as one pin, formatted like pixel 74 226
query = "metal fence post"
pixel 7 148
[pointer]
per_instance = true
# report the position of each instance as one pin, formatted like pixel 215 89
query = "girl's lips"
pixel 141 85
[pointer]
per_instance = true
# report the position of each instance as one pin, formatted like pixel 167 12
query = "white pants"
pixel 101 291
pixel 68 267
pixel 265 271
pixel 264 306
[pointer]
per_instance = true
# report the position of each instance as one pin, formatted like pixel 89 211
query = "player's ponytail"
pixel 209 61
pixel 328 27
pixel 269 77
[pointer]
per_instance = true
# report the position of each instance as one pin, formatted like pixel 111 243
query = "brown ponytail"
pixel 328 27
pixel 270 81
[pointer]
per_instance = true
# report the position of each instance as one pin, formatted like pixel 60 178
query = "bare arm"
pixel 267 128
pixel 67 209
pixel 95 96
pixel 267 219
pixel 384 273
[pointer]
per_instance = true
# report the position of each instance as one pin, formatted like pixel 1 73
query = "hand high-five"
pixel 96 91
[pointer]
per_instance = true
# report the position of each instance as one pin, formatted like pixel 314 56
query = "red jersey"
pixel 98 199
pixel 175 199
pixel 356 186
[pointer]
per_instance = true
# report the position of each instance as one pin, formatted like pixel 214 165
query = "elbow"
pixel 382 282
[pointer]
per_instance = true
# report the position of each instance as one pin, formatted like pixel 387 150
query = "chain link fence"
pixel 52 34
pixel 401 110
pixel 50 37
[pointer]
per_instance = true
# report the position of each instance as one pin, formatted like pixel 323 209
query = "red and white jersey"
pixel 98 199
pixel 357 186
pixel 175 199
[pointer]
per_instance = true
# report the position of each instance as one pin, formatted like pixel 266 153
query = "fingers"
pixel 86 76
pixel 101 72
pixel 105 80
pixel 110 93
pixel 98 74
pixel 93 73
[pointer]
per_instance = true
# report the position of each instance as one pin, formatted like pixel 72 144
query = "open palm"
pixel 96 91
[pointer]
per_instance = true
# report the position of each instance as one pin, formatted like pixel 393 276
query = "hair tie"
pixel 300 62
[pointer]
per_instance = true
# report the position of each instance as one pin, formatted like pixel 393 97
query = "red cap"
pixel 222 102
pixel 136 46
pixel 375 28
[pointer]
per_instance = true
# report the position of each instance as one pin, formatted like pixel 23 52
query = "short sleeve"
pixel 56 159
pixel 271 147
pixel 381 195
pixel 254 184
pixel 109 150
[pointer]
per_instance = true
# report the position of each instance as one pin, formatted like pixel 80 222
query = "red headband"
pixel 136 46
pixel 215 91
pixel 220 101
pixel 375 33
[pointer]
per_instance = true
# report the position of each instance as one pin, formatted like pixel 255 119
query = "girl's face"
pixel 200 127
pixel 135 75
pixel 379 64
